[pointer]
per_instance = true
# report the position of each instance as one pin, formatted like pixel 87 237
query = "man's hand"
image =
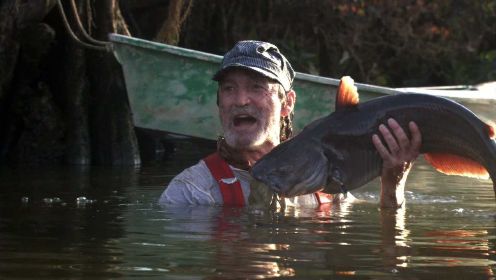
pixel 398 153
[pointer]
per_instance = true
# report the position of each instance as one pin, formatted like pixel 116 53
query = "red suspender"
pixel 232 193
pixel 323 197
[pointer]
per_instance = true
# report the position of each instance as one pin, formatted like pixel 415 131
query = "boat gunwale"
pixel 199 55
pixel 190 53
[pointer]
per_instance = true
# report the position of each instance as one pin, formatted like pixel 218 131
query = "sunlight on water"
pixel 105 223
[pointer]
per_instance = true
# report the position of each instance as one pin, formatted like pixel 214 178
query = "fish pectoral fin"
pixel 456 165
pixel 337 176
pixel 260 194
pixel 347 93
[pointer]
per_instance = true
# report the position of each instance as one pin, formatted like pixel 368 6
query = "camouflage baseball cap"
pixel 262 57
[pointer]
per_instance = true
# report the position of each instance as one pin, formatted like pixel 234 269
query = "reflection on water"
pixel 119 231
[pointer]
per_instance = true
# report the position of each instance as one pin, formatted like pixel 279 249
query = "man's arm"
pixel 398 153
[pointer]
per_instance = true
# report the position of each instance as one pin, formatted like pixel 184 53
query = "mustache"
pixel 245 110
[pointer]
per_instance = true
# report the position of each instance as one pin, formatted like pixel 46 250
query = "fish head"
pixel 295 167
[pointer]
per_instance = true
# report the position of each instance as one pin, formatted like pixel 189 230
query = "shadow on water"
pixel 48 230
pixel 61 217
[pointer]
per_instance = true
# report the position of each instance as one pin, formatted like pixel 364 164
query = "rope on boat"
pixel 97 45
pixel 81 27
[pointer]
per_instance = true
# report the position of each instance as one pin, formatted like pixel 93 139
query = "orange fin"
pixel 347 93
pixel 457 165
pixel 491 131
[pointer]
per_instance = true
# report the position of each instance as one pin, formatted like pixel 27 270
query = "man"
pixel 256 101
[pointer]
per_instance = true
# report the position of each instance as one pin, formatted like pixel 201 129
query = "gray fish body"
pixel 337 150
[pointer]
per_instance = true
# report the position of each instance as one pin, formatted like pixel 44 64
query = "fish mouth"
pixel 313 183
pixel 289 185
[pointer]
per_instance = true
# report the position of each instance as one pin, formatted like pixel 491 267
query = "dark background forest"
pixel 64 102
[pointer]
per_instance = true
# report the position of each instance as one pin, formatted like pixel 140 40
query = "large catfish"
pixel 335 153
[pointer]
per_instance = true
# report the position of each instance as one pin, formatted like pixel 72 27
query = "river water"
pixel 105 223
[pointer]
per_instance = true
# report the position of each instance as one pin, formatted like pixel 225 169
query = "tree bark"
pixel 76 91
pixel 170 31
pixel 113 138
pixel 31 122
pixel 79 115
pixel 9 47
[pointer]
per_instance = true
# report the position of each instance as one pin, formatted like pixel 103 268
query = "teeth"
pixel 243 117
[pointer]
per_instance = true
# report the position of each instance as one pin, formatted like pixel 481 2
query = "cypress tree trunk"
pixel 113 137
pixel 31 127
pixel 60 103
pixel 76 90
pixel 171 28
pixel 9 47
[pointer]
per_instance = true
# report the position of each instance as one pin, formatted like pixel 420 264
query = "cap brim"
pixel 218 76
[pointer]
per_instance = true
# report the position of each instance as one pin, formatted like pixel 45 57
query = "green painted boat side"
pixel 170 89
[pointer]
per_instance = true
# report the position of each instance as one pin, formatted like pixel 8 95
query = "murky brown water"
pixel 101 223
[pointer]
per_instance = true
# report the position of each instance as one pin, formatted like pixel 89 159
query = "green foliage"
pixel 392 43
pixel 487 65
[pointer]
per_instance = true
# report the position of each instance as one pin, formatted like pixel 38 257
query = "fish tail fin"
pixel 456 165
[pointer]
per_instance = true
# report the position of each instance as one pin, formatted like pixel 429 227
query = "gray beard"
pixel 257 139
pixel 263 134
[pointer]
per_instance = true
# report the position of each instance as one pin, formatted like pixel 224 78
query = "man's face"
pixel 249 108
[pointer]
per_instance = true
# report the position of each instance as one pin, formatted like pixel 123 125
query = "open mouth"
pixel 243 120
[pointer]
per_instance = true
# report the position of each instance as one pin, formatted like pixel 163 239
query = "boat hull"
pixel 170 89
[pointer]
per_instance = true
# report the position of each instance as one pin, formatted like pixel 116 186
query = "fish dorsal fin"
pixel 456 165
pixel 491 131
pixel 347 93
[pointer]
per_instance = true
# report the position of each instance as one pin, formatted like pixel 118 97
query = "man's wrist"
pixel 392 196
pixel 393 187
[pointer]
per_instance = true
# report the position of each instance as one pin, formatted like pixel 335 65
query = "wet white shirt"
pixel 196 186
